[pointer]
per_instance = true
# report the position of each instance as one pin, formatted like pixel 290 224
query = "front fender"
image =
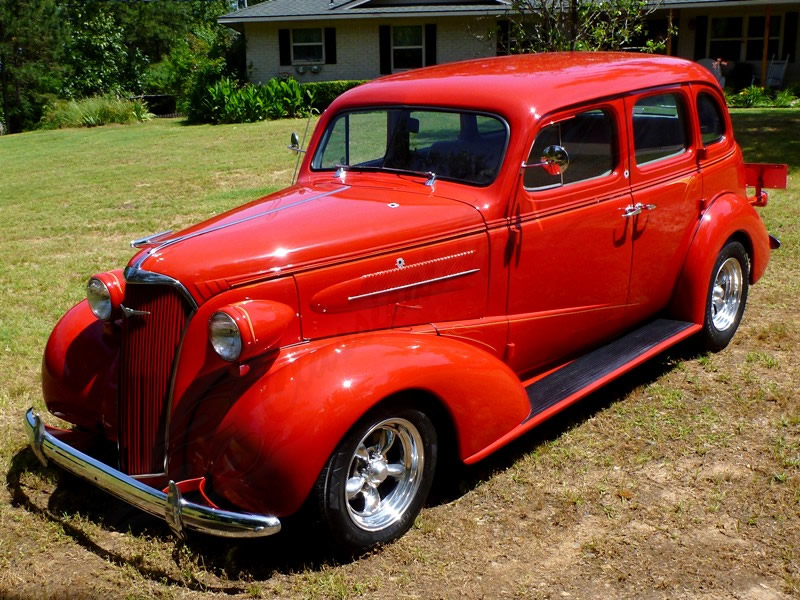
pixel 79 368
pixel 271 445
pixel 727 216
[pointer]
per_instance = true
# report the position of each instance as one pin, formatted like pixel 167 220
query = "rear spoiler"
pixel 764 175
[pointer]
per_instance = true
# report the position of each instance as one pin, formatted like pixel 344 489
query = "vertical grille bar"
pixel 149 345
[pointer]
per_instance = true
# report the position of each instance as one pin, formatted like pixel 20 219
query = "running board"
pixel 593 370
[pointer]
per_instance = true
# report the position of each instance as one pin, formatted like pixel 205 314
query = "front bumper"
pixel 180 514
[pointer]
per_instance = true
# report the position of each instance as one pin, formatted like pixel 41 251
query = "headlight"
pixel 244 330
pixel 225 336
pixel 99 299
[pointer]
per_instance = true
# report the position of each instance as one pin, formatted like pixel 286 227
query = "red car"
pixel 468 249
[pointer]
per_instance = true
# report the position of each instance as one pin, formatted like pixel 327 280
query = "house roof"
pixel 311 10
pixel 307 10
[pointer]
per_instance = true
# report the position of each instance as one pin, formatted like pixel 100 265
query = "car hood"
pixel 301 227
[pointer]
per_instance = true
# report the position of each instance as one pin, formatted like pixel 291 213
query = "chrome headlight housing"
pixel 99 298
pixel 225 337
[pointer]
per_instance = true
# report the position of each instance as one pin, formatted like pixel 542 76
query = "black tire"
pixel 726 298
pixel 354 526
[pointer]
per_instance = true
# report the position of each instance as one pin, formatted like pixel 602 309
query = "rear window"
pixel 712 123
pixel 659 128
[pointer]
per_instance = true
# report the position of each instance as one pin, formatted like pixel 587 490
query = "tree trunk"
pixel 4 85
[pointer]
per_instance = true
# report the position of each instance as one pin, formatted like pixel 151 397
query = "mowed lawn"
pixel 681 480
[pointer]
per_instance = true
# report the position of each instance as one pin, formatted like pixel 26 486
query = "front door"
pixel 570 249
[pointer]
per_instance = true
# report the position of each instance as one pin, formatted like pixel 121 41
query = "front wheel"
pixel 376 481
pixel 727 296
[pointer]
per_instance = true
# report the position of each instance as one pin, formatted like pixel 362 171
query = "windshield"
pixel 462 146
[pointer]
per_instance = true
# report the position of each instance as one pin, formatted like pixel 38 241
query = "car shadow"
pixel 300 545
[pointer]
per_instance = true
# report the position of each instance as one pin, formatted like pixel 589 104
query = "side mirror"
pixel 294 143
pixel 555 160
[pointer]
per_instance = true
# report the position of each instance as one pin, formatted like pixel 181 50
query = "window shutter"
pixel 385 48
pixel 330 45
pixel 503 29
pixel 430 44
pixel 284 47
pixel 790 37
pixel 700 33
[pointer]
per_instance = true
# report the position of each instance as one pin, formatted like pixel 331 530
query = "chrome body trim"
pixel 180 514
pixel 150 239
pixel 188 236
pixel 415 284
pixel 136 275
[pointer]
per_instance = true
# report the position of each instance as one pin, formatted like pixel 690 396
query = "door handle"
pixel 636 209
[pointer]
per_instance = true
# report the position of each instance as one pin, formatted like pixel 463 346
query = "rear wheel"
pixel 376 481
pixel 727 296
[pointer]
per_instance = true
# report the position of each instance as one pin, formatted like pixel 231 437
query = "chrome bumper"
pixel 179 513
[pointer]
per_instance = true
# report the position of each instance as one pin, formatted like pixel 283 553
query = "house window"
pixel 307 46
pixel 408 50
pixel 740 38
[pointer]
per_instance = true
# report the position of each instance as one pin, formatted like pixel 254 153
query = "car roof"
pixel 529 83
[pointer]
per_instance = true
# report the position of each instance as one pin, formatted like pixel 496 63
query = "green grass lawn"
pixel 681 480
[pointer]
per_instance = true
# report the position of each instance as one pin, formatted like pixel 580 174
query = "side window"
pixel 588 138
pixel 659 128
pixel 712 123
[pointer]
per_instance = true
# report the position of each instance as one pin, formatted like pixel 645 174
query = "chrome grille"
pixel 149 345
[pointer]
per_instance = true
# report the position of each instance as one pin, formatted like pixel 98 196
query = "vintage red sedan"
pixel 467 250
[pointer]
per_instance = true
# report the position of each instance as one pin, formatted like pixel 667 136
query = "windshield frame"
pixel 329 126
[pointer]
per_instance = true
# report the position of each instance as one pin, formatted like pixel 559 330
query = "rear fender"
pixel 272 443
pixel 726 217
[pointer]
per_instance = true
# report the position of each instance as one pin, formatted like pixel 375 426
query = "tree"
pixel 31 52
pixel 549 25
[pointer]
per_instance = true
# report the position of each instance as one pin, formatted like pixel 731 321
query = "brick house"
pixel 320 40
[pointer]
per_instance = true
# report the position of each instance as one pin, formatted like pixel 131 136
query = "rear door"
pixel 667 191
pixel 571 248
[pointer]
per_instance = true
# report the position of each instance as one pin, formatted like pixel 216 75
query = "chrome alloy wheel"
pixel 726 294
pixel 384 475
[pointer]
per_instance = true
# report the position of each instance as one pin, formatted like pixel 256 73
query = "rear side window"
pixel 712 123
pixel 590 143
pixel 659 128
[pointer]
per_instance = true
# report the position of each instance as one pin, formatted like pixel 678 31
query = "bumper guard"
pixel 178 513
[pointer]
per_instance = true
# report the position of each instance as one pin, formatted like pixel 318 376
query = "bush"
pixel 326 92
pixel 226 102
pixel 92 112
pixel 754 96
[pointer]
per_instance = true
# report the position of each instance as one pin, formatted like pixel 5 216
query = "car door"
pixel 667 192
pixel 570 248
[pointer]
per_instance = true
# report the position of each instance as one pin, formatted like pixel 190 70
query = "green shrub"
pixel 750 97
pixel 226 102
pixel 326 92
pixel 784 99
pixel 92 112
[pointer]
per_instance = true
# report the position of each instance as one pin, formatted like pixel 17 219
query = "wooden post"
pixel 669 33
pixel 766 49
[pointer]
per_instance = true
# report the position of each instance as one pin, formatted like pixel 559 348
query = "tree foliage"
pixel 81 48
pixel 549 25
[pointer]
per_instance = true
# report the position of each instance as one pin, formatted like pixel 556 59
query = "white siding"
pixel 357 46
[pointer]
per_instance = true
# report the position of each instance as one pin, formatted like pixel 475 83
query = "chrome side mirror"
pixel 555 160
pixel 294 143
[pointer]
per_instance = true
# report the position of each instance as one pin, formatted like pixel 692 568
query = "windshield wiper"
pixel 430 175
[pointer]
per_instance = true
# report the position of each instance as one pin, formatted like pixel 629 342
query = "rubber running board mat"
pixel 587 369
